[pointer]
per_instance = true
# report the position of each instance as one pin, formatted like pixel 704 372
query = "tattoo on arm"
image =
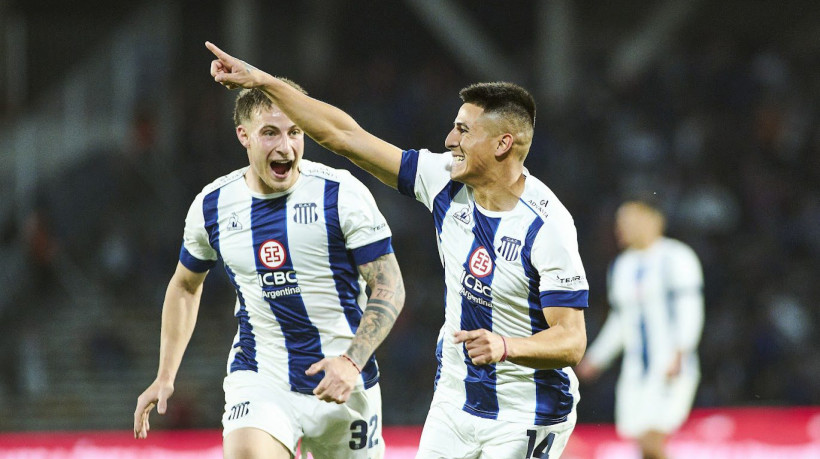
pixel 383 306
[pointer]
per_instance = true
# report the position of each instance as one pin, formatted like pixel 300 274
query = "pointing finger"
pixel 217 52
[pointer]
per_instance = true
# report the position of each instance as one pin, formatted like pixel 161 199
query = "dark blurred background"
pixel 110 124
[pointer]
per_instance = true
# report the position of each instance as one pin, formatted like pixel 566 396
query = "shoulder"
pixel 322 171
pixel 677 248
pixel 546 205
pixel 350 187
pixel 224 181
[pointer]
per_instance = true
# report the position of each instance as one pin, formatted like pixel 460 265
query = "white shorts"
pixel 654 404
pixel 451 433
pixel 328 430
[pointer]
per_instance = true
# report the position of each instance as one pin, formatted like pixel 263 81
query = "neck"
pixel 500 196
pixel 645 243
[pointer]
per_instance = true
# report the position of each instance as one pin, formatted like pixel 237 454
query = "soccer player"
pixel 656 318
pixel 515 284
pixel 301 243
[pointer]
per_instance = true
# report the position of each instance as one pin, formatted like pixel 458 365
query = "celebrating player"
pixel 656 318
pixel 300 243
pixel 515 284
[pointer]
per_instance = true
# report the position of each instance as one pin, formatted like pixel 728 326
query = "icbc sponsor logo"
pixel 272 254
pixel 474 290
pixel 481 265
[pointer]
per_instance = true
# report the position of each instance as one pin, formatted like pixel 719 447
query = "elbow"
pixel 399 297
pixel 575 352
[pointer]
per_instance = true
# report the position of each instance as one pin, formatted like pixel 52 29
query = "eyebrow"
pixel 271 126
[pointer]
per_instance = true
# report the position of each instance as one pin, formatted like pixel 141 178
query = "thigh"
pixel 447 434
pixel 251 407
pixel 505 440
pixel 676 404
pixel 252 443
pixel 351 430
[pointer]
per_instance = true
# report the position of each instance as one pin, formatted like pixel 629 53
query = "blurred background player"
pixel 656 318
pixel 515 285
pixel 300 242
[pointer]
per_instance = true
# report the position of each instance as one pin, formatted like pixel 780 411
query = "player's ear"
pixel 505 143
pixel 242 135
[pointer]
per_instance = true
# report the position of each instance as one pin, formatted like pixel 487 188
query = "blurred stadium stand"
pixel 110 124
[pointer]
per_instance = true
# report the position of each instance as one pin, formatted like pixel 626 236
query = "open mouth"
pixel 458 158
pixel 281 168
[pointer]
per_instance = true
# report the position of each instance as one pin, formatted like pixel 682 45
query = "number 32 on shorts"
pixel 541 449
pixel 361 433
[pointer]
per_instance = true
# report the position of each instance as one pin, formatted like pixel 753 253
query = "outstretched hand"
pixel 230 71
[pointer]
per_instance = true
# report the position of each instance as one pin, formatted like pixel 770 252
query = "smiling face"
pixel 275 147
pixel 472 144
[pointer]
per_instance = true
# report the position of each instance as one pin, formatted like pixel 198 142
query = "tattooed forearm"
pixel 383 307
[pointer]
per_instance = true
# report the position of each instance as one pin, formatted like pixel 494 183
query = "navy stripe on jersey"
pixel 640 274
pixel 345 273
pixel 269 222
pixel 480 382
pixel 565 298
pixel 439 349
pixel 245 357
pixel 211 214
pixel 407 173
pixel 370 252
pixel 193 263
pixel 442 203
pixel 553 401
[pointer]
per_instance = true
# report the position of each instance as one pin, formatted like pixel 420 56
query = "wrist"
pixel 505 354
pixel 355 365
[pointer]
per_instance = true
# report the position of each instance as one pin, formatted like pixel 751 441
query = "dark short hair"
pixel 250 100
pixel 649 199
pixel 501 97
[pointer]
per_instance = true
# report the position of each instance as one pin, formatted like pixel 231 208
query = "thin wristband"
pixel 504 357
pixel 360 370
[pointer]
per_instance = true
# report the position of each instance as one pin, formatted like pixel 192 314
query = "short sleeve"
pixel 423 175
pixel 555 256
pixel 366 232
pixel 686 272
pixel 196 253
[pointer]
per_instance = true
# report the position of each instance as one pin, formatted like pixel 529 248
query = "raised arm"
pixel 327 125
pixel 384 304
pixel 179 312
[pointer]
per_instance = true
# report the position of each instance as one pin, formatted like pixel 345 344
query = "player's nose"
pixel 452 140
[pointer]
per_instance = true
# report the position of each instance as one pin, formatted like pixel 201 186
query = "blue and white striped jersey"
pixel 292 258
pixel 656 300
pixel 501 269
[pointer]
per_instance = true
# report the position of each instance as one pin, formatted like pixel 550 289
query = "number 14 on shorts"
pixel 541 449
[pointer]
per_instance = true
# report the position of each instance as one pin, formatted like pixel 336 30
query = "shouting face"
pixel 275 146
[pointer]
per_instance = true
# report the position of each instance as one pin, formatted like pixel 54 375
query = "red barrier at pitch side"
pixel 728 433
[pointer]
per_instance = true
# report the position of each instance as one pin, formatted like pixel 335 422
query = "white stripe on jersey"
pixel 501 269
pixel 292 258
